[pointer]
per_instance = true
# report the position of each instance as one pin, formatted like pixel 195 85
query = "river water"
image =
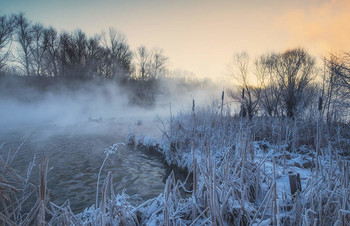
pixel 75 155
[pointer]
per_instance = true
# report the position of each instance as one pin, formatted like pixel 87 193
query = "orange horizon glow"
pixel 202 36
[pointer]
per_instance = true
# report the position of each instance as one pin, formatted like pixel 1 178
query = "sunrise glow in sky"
pixel 201 35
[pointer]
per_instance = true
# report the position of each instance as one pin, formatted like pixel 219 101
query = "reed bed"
pixel 240 168
pixel 239 176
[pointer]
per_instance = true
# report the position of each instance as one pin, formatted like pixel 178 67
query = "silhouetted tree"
pixel 270 97
pixel 158 62
pixel 117 56
pixel 293 70
pixel 72 54
pixel 6 31
pixel 143 62
pixel 337 86
pixel 52 53
pixel 94 56
pixel 24 38
pixel 38 48
pixel 340 66
pixel 246 94
pixel 77 54
pixel 63 54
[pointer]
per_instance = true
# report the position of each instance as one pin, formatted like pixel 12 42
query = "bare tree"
pixel 270 93
pixel 24 38
pixel 6 30
pixel 63 54
pixel 51 60
pixel 72 54
pixel 143 62
pixel 158 62
pixel 294 70
pixel 340 66
pixel 94 55
pixel 337 86
pixel 77 54
pixel 38 49
pixel 246 94
pixel 118 56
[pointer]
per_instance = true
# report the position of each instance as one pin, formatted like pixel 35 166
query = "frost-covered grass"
pixel 239 176
pixel 241 169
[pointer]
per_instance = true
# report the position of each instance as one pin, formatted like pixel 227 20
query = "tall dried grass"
pixel 229 158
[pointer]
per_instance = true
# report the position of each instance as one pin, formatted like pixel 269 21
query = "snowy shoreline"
pixel 237 179
pixel 233 178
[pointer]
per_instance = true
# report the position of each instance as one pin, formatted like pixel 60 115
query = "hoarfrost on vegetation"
pixel 235 178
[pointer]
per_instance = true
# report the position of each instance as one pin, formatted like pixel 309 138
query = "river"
pixel 75 155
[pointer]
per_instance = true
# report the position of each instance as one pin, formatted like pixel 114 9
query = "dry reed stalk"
pixel 274 194
pixel 200 215
pixel 11 186
pixel 32 214
pixel 5 220
pixel 104 198
pixel 264 202
pixel 195 186
pixel 167 191
pixel 65 218
pixel 284 151
pixel 42 191
pixel 9 160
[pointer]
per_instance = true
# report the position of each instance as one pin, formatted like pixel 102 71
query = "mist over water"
pixel 64 105
pixel 73 126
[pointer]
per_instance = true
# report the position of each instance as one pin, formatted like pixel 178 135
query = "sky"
pixel 201 36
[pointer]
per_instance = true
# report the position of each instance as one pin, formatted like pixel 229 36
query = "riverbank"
pixel 242 173
pixel 266 171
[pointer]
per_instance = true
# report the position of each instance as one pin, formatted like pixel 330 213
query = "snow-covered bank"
pixel 241 173
pixel 240 180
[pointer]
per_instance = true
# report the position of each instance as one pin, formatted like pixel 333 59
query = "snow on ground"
pixel 232 178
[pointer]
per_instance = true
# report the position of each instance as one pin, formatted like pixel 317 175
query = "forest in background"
pixel 41 57
pixel 284 84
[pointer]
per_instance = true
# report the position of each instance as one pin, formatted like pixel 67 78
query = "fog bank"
pixel 90 106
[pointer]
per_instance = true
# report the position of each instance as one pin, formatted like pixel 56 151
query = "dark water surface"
pixel 75 156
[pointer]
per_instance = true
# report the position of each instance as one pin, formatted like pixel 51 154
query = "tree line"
pixel 288 84
pixel 291 84
pixel 31 49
